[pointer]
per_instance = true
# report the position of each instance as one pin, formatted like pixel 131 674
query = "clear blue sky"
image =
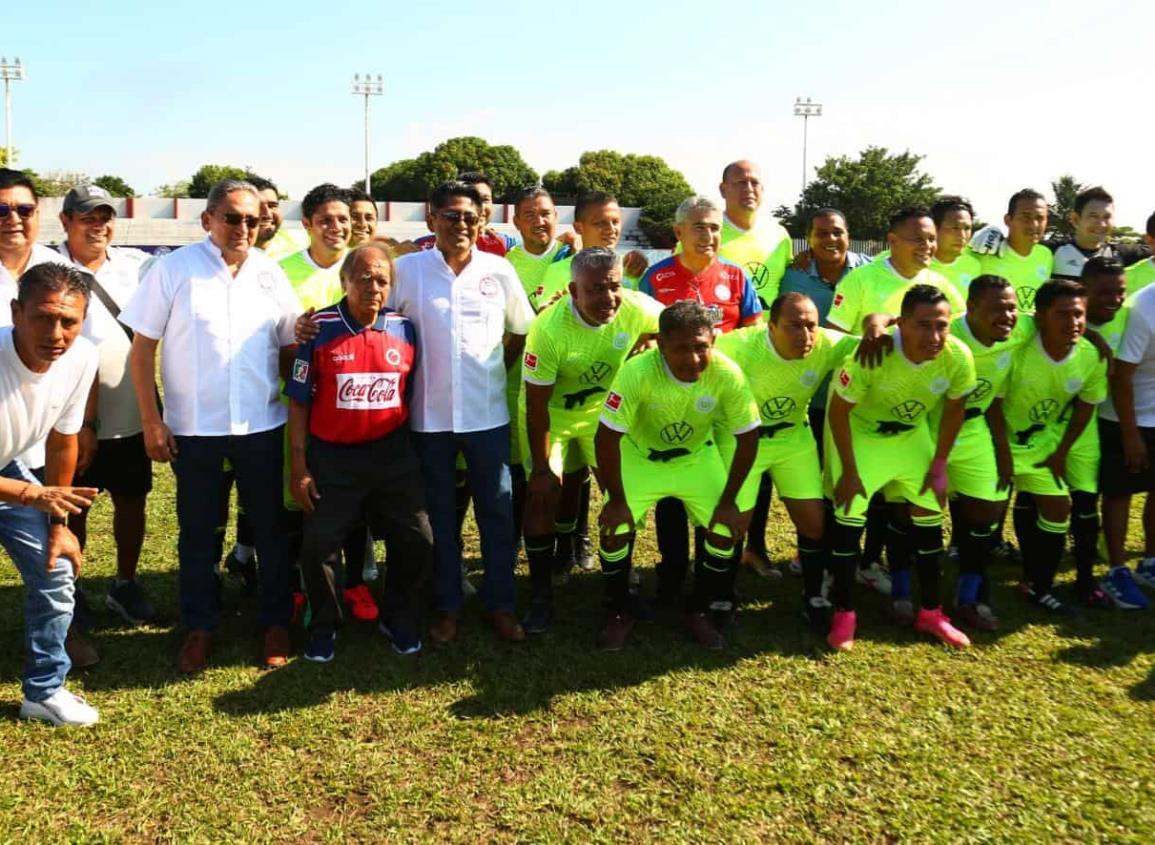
pixel 997 96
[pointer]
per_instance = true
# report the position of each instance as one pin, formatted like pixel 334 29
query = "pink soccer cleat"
pixel 841 636
pixel 936 623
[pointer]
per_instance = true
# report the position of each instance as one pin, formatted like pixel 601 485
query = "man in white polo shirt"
pixel 225 312
pixel 112 455
pixel 46 370
pixel 471 316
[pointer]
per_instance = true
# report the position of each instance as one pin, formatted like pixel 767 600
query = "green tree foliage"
pixel 209 174
pixel 1065 189
pixel 175 189
pixel 114 185
pixel 867 190
pixel 56 183
pixel 411 179
pixel 641 181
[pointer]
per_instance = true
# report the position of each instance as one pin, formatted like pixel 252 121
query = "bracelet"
pixel 22 498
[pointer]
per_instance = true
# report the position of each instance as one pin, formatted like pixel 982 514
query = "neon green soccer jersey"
pixel 557 277
pixel 316 286
pixel 959 272
pixel 580 361
pixel 899 396
pixel 992 363
pixel 877 288
pixel 1139 275
pixel 764 252
pixel 531 270
pixel 665 418
pixel 783 388
pixel 1025 272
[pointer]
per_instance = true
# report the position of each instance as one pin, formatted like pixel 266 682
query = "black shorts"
pixel 1114 477
pixel 121 467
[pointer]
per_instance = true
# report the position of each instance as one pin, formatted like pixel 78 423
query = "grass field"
pixel 1040 733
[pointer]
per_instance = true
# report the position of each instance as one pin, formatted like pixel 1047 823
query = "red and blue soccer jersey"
pixel 355 378
pixel 495 243
pixel 722 287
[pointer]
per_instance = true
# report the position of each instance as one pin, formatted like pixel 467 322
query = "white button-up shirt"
pixel 460 322
pixel 222 338
pixel 119 276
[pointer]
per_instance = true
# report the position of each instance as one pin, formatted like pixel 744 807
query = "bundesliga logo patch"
pixel 838 299
pixel 844 378
pixel 613 402
pixel 530 361
pixel 300 371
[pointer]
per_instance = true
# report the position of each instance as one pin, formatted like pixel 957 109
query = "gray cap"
pixel 85 198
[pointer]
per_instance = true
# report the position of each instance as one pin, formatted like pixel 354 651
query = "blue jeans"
pixel 257 461
pixel 48 595
pixel 487 458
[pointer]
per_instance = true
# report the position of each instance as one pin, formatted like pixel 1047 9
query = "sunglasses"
pixel 468 217
pixel 234 218
pixel 24 210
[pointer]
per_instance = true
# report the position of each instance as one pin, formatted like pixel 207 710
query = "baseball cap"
pixel 85 198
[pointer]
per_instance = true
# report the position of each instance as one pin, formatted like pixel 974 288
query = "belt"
pixel 971 413
pixel 769 431
pixel 887 427
pixel 664 455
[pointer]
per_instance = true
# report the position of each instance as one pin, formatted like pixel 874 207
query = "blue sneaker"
pixel 403 635
pixel 1120 586
pixel 1145 572
pixel 320 646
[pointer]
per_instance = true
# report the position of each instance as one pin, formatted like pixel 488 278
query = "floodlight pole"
pixel 367 87
pixel 9 72
pixel 805 109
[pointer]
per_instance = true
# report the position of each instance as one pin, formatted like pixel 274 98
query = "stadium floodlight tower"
pixel 9 72
pixel 367 87
pixel 805 109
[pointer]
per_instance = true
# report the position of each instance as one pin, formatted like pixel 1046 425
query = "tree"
pixel 640 181
pixel 867 191
pixel 209 174
pixel 1065 189
pixel 57 183
pixel 176 189
pixel 411 179
pixel 114 185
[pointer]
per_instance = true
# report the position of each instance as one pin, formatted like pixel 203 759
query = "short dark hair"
pixel 1103 265
pixel 529 192
pixel 907 212
pixel 1151 225
pixel 1056 289
pixel 1023 194
pixel 51 277
pixel 475 177
pixel 980 286
pixel 684 315
pixel 263 184
pixel 440 196
pixel 323 193
pixel 944 205
pixel 825 211
pixel 783 298
pixel 10 178
pixel 590 199
pixel 1092 194
pixel 918 295
pixel 359 195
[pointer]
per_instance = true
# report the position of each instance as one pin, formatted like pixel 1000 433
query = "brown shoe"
pixel 444 628
pixel 615 632
pixel 703 631
pixel 277 647
pixel 81 650
pixel 507 627
pixel 194 653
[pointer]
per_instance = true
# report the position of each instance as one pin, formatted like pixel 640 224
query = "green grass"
pixel 1041 733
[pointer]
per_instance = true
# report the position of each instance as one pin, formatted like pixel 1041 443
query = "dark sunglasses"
pixel 25 210
pixel 235 218
pixel 469 218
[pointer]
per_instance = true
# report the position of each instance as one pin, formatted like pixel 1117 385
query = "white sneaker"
pixel 875 577
pixel 60 708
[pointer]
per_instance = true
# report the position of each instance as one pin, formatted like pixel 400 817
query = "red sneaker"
pixel 361 604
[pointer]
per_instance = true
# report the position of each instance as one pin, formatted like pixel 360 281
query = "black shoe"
pixel 129 601
pixel 1052 604
pixel 816 612
pixel 539 617
pixel 245 573
pixel 722 614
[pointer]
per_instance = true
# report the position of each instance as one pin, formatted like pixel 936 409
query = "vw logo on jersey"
pixel 908 411
pixel 779 407
pixel 1003 361
pixel 675 433
pixel 598 370
pixel 705 404
pixel 808 378
pixel 1043 410
pixel 393 357
pixel 621 340
pixel 980 392
pixel 1026 296
pixel 939 385
pixel 1074 384
pixel 758 273
pixel 722 292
